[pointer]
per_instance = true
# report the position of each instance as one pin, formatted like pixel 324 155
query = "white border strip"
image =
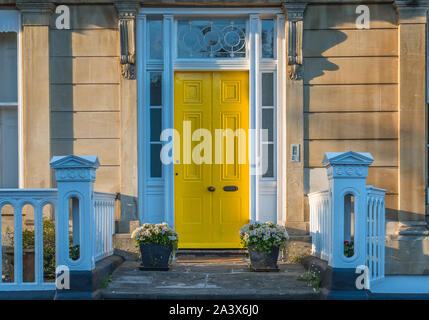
pixel 20 110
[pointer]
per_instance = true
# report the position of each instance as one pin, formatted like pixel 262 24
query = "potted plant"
pixel 263 240
pixel 349 249
pixel 156 242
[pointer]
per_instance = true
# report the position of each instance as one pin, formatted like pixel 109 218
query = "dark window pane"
pixel 267 89
pixel 268 160
pixel 156 89
pixel 155 124
pixel 267 38
pixel 8 147
pixel 8 67
pixel 268 123
pixel 155 161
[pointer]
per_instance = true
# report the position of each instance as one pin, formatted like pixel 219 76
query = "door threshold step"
pixel 211 252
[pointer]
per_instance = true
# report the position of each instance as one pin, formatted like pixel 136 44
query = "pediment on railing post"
pixel 350 157
pixel 75 168
pixel 73 161
pixel 347 164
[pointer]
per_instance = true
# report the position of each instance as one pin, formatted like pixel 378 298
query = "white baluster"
pixel 2 204
pixel 18 243
pixel 371 210
pixel 38 241
pixel 382 235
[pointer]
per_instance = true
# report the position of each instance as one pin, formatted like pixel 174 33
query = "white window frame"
pixel 10 21
pixel 164 188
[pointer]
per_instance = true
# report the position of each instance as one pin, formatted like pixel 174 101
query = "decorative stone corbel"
pixel 127 17
pixel 294 15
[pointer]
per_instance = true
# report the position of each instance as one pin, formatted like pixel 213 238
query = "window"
pixel 155 115
pixel 8 110
pixel 211 39
pixel 267 123
pixel 155 39
pixel 267 38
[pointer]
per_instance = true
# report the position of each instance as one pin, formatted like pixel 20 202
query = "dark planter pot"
pixel 264 261
pixel 27 262
pixel 155 256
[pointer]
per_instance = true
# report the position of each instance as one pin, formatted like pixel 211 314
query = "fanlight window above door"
pixel 211 39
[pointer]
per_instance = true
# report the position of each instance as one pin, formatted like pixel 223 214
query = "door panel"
pixel 231 111
pixel 192 201
pixel 212 101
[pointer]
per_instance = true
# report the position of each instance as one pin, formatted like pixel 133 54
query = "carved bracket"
pixel 127 18
pixel 294 14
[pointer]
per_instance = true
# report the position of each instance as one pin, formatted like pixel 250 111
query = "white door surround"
pixel 156 201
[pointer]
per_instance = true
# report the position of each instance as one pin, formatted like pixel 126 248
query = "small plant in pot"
pixel 349 249
pixel 263 240
pixel 156 242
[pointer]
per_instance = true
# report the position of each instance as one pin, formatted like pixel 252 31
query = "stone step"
pixel 208 279
pixel 211 252
pixel 126 226
pixel 125 247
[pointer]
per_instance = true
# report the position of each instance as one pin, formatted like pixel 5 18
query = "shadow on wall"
pixel 315 50
pixel 61 93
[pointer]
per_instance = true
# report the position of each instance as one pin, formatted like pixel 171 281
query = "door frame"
pixel 253 63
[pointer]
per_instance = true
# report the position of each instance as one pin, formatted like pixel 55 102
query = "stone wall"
pixel 84 84
pixel 351 93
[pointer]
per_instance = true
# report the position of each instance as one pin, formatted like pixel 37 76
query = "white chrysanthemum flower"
pixel 155 233
pixel 264 234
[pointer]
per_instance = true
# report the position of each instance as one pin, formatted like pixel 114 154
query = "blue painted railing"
pixel 92 224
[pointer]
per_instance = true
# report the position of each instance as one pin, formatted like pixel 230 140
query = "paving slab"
pixel 193 278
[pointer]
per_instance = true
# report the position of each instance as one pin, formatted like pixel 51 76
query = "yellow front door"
pixel 211 182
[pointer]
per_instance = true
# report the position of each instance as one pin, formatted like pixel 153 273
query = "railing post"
pixel 347 174
pixel 75 177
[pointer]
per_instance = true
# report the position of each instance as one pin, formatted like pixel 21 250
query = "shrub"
pixel 48 249
pixel 28 242
pixel 313 278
